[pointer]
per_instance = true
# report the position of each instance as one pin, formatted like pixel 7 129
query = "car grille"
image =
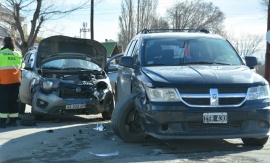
pixel 213 97
pixel 206 101
pixel 73 94
pixel 206 128
pixel 201 127
pixel 76 91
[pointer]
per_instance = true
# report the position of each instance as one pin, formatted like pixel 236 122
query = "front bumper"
pixel 177 121
pixel 52 104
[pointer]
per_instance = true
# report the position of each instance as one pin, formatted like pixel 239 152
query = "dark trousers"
pixel 9 101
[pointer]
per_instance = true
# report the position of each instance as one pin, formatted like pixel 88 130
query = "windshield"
pixel 175 51
pixel 71 64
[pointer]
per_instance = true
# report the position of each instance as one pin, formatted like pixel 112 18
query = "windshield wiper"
pixel 52 67
pixel 155 64
pixel 76 68
pixel 204 62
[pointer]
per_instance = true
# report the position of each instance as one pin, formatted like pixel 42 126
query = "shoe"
pixel 12 124
pixel 2 125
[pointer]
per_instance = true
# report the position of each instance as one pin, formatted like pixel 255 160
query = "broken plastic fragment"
pixel 106 154
pixel 100 127
pixel 50 131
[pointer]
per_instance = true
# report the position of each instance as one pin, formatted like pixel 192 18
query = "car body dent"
pixel 70 86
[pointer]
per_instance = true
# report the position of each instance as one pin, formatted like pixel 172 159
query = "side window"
pixel 29 58
pixel 32 59
pixel 135 52
pixel 26 58
pixel 130 48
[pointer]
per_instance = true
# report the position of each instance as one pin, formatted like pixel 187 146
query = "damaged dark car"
pixel 66 75
pixel 189 85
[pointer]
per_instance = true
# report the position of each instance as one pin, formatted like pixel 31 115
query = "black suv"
pixel 189 85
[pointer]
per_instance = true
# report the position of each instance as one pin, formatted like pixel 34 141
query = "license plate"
pixel 75 106
pixel 215 117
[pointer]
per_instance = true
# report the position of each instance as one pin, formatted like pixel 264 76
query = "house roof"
pixel 110 46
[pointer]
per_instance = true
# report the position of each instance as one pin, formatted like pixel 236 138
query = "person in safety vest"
pixel 10 77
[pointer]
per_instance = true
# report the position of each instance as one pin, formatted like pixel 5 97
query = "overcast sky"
pixel 241 16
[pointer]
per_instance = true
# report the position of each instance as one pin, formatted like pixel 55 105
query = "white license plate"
pixel 215 117
pixel 75 106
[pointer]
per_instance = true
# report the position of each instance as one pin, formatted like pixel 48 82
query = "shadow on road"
pixel 75 139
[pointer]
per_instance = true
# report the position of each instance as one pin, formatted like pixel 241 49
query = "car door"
pixel 124 74
pixel 111 69
pixel 28 77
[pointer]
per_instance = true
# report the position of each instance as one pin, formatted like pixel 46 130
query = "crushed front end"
pixel 72 92
pixel 205 112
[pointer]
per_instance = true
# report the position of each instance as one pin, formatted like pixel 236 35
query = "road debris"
pixel 106 154
pixel 100 127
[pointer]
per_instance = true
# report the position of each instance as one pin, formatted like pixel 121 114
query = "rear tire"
pixel 255 141
pixel 21 107
pixel 126 122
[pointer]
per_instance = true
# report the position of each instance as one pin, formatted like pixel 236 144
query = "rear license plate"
pixel 75 106
pixel 215 117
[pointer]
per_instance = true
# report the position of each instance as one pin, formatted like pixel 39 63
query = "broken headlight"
pixel 260 92
pixel 162 94
pixel 48 85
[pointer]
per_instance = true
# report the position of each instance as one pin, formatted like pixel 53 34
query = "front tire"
pixel 255 141
pixel 126 122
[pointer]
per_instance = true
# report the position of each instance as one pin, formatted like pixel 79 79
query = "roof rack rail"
pixel 145 31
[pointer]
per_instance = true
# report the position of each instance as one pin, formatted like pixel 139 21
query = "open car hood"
pixel 63 47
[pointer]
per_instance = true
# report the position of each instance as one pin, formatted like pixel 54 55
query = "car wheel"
pixel 21 107
pixel 255 141
pixel 38 117
pixel 126 122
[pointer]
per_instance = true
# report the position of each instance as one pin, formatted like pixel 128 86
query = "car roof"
pixel 180 35
pixel 177 33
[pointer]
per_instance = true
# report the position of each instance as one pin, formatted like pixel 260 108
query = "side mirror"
pixel 112 68
pixel 127 61
pixel 251 61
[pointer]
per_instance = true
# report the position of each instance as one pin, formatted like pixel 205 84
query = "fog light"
pixel 41 102
pixel 262 124
pixel 164 127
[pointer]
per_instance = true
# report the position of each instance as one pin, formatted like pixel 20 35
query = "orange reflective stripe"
pixel 10 76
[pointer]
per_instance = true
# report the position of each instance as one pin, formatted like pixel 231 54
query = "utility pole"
pixel 92 19
pixel 267 55
pixel 138 16
pixel 84 30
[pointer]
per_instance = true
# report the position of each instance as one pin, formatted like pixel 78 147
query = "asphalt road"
pixel 77 139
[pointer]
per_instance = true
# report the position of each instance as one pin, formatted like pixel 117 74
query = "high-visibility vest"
pixel 10 63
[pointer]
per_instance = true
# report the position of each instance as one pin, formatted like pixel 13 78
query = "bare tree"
pixel 159 23
pixel 196 15
pixel 247 44
pixel 40 11
pixel 146 13
pixel 132 20
pixel 264 4
pixel 126 22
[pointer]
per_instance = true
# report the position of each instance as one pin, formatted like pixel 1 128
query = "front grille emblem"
pixel 214 97
pixel 78 89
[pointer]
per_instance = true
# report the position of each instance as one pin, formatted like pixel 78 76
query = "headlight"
pixel 162 94
pixel 259 92
pixel 49 84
